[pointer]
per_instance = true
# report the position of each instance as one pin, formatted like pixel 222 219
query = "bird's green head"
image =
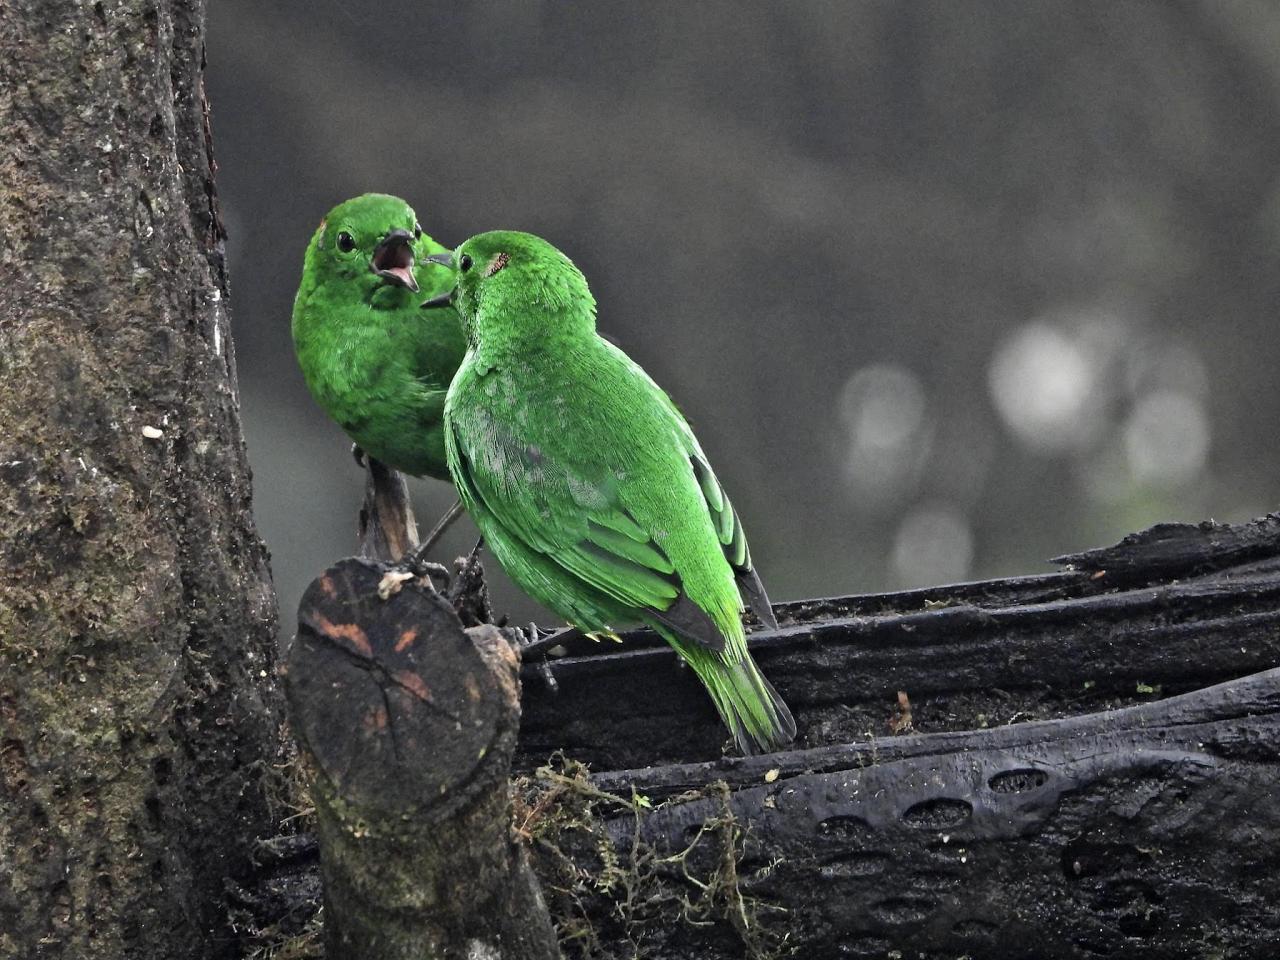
pixel 366 249
pixel 513 284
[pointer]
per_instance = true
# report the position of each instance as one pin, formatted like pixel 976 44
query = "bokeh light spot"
pixel 1166 439
pixel 933 545
pixel 1042 383
pixel 883 407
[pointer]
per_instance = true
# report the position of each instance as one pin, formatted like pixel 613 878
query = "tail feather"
pixel 747 703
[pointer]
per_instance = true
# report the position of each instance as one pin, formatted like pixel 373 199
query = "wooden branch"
pixel 387 529
pixel 1170 550
pixel 408 724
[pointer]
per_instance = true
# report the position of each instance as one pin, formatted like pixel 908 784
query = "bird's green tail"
pixel 747 703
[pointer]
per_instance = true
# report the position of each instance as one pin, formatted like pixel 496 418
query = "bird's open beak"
pixel 444 300
pixel 393 259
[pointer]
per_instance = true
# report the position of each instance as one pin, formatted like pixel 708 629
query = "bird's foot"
pixel 468 571
pixel 534 641
pixel 549 678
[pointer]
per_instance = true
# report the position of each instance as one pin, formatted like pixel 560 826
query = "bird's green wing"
pixel 569 510
pixel 725 519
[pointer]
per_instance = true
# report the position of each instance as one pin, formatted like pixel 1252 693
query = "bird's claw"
pixel 461 582
pixel 429 570
pixel 549 678
pixel 545 642
pixel 529 637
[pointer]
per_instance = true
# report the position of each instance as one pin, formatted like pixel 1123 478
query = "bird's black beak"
pixel 444 259
pixel 393 259
pixel 444 300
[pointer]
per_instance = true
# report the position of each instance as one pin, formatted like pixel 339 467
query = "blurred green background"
pixel 945 288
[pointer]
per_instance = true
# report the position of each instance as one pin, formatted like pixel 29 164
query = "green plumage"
pixel 375 362
pixel 589 485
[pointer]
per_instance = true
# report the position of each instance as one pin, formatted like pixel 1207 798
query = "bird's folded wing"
pixel 728 527
pixel 571 513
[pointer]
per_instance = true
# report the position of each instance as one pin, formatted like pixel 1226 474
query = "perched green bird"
pixel 368 358
pixel 587 482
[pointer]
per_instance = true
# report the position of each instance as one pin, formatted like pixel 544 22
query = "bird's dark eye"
pixel 346 242
pixel 417 231
pixel 464 263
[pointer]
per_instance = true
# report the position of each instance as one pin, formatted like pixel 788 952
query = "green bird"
pixel 368 358
pixel 587 483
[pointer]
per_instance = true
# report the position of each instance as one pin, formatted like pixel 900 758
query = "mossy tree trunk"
pixel 138 711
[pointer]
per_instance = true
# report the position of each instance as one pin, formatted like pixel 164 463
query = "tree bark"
pixel 138 711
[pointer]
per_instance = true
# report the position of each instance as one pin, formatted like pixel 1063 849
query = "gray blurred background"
pixel 945 288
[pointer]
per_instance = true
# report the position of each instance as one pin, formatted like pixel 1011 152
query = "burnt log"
pixel 1109 633
pixel 1146 831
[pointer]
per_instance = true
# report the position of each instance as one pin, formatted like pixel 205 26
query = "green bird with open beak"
pixel 368 358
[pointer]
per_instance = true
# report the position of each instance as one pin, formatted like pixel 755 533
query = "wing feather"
pixel 730 532
pixel 572 514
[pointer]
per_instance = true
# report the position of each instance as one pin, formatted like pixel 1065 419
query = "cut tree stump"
pixel 407 724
